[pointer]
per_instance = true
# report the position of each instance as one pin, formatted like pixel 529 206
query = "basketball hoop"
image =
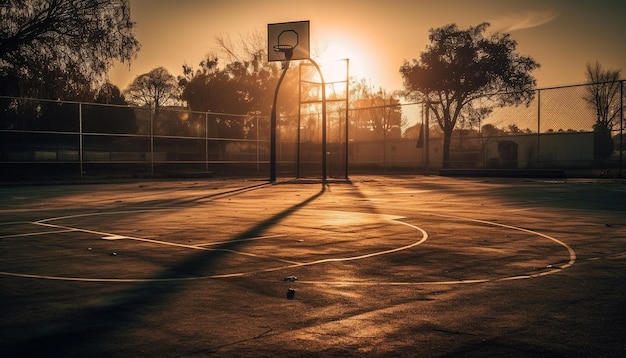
pixel 287 54
pixel 287 41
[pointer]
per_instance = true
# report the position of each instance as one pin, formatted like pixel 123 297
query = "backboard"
pixel 288 38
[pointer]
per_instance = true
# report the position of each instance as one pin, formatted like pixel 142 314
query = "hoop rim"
pixel 282 48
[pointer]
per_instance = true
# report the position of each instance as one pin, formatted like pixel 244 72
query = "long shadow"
pixel 92 325
pixel 558 194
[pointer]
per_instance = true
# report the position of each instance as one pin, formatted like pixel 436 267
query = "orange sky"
pixel 377 35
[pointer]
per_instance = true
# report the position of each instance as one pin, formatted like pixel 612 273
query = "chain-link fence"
pixel 578 129
pixel 574 128
pixel 56 138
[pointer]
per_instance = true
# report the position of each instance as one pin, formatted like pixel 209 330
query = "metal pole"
pixel 258 153
pixel 206 141
pixel 427 138
pixel 80 140
pixel 423 113
pixel 347 117
pixel 151 141
pixel 621 127
pixel 323 120
pixel 299 121
pixel 273 125
pixel 538 127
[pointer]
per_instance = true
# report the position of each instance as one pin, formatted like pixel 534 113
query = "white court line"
pixel 112 236
pixel 36 233
pixel 571 252
pixel 292 265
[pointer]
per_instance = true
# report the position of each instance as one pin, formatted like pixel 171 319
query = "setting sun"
pixel 332 59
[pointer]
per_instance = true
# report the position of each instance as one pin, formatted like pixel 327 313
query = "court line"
pixel 112 236
pixel 553 270
pixel 36 233
pixel 570 250
pixel 292 265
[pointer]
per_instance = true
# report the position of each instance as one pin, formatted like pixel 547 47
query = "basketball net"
pixel 287 54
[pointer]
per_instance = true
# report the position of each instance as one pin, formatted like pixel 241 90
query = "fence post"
pixel 206 141
pixel 80 138
pixel 151 142
pixel 258 153
pixel 347 119
pixel 539 127
pixel 621 127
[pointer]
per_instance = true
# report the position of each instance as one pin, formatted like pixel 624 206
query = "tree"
pixel 113 116
pixel 459 66
pixel 603 95
pixel 376 114
pixel 236 79
pixel 155 89
pixel 239 80
pixel 68 43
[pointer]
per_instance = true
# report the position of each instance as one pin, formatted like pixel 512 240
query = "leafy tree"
pixel 603 95
pixel 60 48
pixel 244 85
pixel 461 65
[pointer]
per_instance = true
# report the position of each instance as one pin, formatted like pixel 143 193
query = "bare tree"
pixel 603 95
pixel 156 89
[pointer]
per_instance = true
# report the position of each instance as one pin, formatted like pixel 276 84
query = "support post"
pixel 347 154
pixel 427 138
pixel 539 128
pixel 621 127
pixel 206 142
pixel 80 140
pixel 273 124
pixel 317 67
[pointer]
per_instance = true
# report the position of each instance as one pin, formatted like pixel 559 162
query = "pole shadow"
pixel 92 326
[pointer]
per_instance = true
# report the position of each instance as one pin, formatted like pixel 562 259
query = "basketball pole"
pixel 317 67
pixel 273 124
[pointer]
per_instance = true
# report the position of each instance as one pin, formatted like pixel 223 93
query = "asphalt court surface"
pixel 385 266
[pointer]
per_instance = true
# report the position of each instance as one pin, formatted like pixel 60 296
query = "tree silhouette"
pixel 238 80
pixel 155 89
pixel 62 44
pixel 375 114
pixel 459 66
pixel 603 95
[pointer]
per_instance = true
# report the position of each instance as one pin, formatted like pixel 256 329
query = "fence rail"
pixel 558 130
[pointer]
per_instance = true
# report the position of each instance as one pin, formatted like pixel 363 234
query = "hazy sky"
pixel 377 35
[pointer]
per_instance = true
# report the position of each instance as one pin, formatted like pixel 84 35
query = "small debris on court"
pixel 290 279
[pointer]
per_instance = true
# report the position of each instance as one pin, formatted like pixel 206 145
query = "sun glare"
pixel 333 57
